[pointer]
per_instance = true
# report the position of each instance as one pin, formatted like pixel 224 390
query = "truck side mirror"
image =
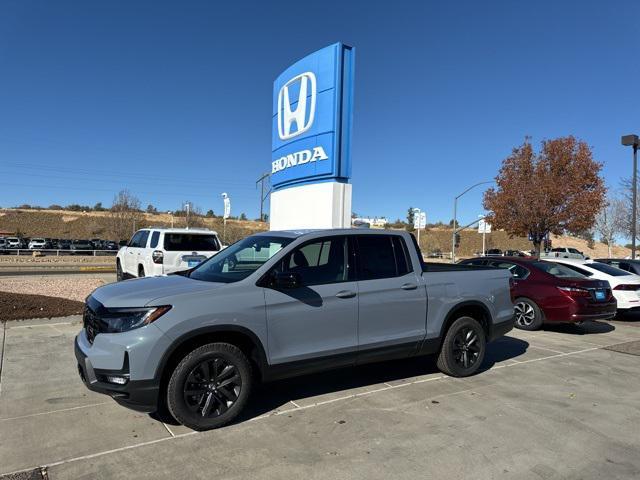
pixel 287 280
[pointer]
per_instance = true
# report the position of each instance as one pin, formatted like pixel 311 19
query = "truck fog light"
pixel 117 380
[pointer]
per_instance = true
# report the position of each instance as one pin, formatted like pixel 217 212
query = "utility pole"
pixel 263 197
pixel 633 141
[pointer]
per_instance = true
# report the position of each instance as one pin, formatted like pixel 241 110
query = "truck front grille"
pixel 91 323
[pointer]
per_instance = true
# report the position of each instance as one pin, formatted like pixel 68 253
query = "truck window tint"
pixel 376 257
pixel 320 262
pixel 183 242
pixel 155 236
pixel 402 262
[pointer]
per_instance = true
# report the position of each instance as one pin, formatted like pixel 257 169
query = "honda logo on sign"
pixel 306 102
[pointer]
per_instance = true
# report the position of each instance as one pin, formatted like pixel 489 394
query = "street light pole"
pixel 633 141
pixel 455 217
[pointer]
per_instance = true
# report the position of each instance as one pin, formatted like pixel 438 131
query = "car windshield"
pixel 608 269
pixel 183 242
pixel 557 270
pixel 240 260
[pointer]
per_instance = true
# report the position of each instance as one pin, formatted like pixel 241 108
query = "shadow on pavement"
pixel 271 396
pixel 630 317
pixel 587 328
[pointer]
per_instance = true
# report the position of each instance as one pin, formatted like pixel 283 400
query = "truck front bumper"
pixel 140 395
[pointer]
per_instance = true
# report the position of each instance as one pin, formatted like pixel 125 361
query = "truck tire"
pixel 528 314
pixel 463 348
pixel 140 271
pixel 210 386
pixel 119 275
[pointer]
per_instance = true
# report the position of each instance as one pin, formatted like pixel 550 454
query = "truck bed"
pixel 451 267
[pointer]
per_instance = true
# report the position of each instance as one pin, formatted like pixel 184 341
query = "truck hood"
pixel 139 292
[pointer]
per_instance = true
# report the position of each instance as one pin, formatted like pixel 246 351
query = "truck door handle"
pixel 409 286
pixel 346 294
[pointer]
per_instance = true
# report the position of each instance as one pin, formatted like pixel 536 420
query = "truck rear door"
pixel 392 297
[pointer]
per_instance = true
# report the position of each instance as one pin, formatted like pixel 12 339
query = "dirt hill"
pixel 471 242
pixel 66 224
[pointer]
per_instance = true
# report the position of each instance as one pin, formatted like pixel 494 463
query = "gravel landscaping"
pixel 70 287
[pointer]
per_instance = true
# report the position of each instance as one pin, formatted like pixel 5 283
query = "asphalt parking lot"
pixel 559 403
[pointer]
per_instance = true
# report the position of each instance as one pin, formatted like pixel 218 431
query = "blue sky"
pixel 172 100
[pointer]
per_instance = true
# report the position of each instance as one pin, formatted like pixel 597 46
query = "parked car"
pixel 625 285
pixel 14 243
pixel 549 292
pixel 3 245
pixel 97 243
pixel 80 246
pixel 64 244
pixel 158 251
pixel 280 304
pixel 626 264
pixel 109 245
pixel 514 253
pixel 494 252
pixel 37 244
pixel 564 252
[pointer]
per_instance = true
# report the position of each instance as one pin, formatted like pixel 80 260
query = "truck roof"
pixel 331 231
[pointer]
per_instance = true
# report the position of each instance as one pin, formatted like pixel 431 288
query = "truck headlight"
pixel 124 319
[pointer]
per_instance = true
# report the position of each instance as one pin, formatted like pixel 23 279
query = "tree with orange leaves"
pixel 558 190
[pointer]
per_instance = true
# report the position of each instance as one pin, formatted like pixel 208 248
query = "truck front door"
pixel 319 318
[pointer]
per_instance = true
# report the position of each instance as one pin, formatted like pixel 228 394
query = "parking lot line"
pixel 53 411
pixel 168 429
pixel 299 408
pixel 39 325
pixel 544 348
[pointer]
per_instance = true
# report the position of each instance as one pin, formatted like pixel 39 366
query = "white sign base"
pixel 317 205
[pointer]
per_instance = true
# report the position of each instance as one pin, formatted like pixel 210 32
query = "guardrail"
pixel 57 252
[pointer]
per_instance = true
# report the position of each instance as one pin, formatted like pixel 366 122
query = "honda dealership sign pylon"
pixel 311 140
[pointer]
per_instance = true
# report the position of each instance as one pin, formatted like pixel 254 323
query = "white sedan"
pixel 624 285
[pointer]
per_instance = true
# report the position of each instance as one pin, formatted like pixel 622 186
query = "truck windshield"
pixel 240 260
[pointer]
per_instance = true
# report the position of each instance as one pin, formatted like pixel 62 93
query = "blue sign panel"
pixel 312 110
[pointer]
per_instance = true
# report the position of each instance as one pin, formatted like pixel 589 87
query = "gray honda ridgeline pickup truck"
pixel 282 304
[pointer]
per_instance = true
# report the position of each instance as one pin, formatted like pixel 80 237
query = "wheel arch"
pixel 472 308
pixel 239 336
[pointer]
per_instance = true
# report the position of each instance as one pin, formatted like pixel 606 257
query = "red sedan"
pixel 548 292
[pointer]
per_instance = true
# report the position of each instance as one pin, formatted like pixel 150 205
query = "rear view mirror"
pixel 287 280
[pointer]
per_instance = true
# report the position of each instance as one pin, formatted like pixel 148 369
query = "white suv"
pixel 564 252
pixel 158 251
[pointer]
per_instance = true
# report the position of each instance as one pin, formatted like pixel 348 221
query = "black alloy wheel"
pixel 463 348
pixel 212 387
pixel 466 347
